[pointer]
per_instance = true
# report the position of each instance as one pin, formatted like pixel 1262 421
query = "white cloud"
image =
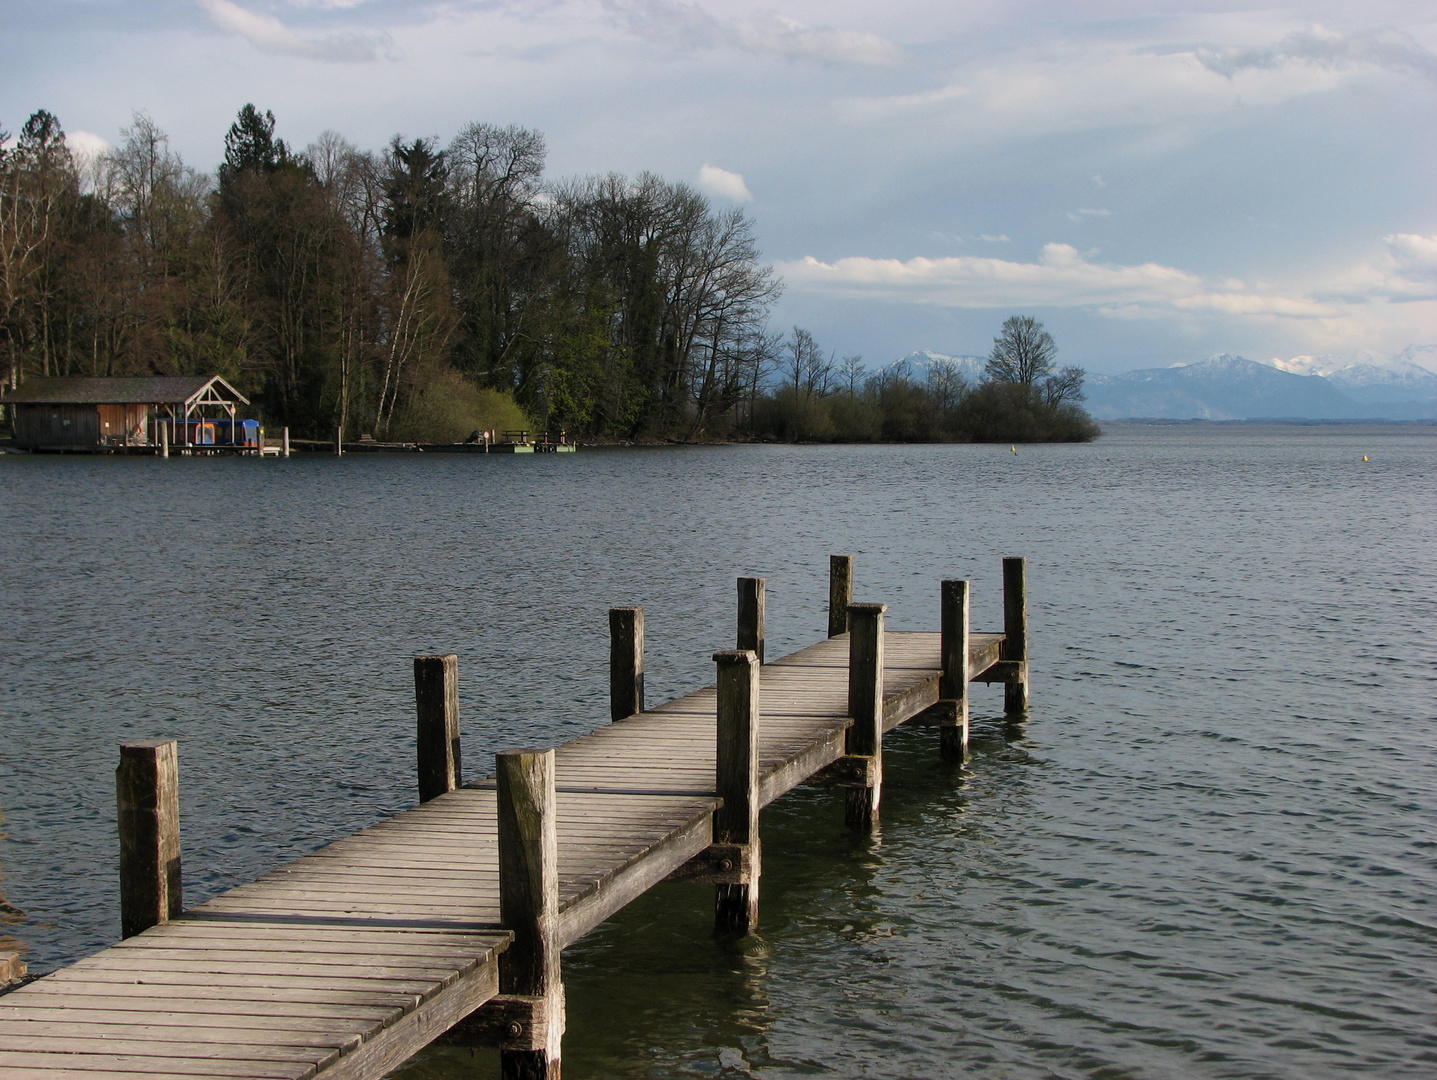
pixel 1060 278
pixel 1081 215
pixel 86 146
pixel 727 185
pixel 1391 50
pixel 690 26
pixel 268 34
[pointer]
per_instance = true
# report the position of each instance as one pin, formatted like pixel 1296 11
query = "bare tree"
pixel 852 372
pixel 1066 385
pixel 946 383
pixel 1022 352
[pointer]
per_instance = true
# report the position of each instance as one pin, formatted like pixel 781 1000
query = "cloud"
pixel 268 34
pixel 1060 278
pixel 1081 215
pixel 690 26
pixel 1391 50
pixel 86 146
pixel 725 184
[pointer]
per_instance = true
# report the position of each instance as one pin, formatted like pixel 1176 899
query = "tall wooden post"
pixel 750 615
pixel 736 821
pixel 284 437
pixel 339 442
pixel 1015 632
pixel 436 700
pixel 529 904
pixel 840 593
pixel 865 704
pixel 147 790
pixel 164 427
pixel 953 682
pixel 626 662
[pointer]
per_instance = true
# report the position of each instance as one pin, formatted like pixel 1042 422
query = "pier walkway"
pixel 447 921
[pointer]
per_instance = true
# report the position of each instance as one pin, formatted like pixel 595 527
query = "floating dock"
pixel 447 922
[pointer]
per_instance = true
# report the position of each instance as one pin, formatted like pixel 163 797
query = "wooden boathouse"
pixel 447 922
pixel 99 415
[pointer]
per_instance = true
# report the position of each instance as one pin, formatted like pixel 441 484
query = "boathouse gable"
pixel 91 414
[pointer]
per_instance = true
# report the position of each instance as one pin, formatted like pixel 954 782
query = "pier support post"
pixel 148 812
pixel 164 427
pixel 953 682
pixel 750 615
pixel 864 739
pixel 840 593
pixel 1015 632
pixel 736 821
pixel 529 905
pixel 285 442
pixel 436 700
pixel 626 662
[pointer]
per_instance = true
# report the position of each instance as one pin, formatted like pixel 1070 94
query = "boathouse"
pixel 100 414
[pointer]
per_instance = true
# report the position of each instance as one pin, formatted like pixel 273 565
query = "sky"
pixel 1156 182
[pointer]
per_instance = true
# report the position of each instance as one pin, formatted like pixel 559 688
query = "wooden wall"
pixel 56 425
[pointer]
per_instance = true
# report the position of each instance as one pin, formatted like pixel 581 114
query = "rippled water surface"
pixel 1211 850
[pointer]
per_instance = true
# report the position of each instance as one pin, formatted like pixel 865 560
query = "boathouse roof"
pixel 128 390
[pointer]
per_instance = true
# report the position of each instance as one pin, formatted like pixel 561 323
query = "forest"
pixel 424 291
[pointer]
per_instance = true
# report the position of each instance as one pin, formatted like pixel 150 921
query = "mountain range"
pixel 1359 386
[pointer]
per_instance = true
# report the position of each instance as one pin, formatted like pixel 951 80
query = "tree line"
pixel 1021 396
pixel 392 293
pixel 426 290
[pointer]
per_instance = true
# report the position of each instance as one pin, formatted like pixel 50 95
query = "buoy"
pixel 1015 449
pixel 1364 457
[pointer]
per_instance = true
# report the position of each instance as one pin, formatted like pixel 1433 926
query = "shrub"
pixel 446 408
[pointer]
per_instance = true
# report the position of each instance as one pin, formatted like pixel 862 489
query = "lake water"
pixel 1210 852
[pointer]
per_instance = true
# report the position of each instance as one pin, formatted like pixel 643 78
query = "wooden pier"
pixel 447 922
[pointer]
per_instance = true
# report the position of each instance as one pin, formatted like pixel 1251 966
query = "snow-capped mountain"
pixel 921 361
pixel 1222 387
pixel 1349 386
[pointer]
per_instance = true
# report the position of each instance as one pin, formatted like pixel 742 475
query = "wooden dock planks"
pixel 346 962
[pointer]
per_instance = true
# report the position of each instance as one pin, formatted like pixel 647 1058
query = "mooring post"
pixel 1015 632
pixel 147 791
pixel 339 442
pixel 529 907
pixel 436 700
pixel 626 662
pixel 750 614
pixel 953 682
pixel 284 439
pixel 12 968
pixel 736 821
pixel 865 704
pixel 164 439
pixel 840 593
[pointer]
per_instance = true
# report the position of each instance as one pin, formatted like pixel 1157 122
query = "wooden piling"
pixel 751 614
pixel 840 593
pixel 864 739
pixel 626 662
pixel 284 442
pixel 737 783
pixel 436 700
pixel 12 968
pixel 1015 630
pixel 148 814
pixel 339 442
pixel 953 682
pixel 529 904
pixel 164 439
